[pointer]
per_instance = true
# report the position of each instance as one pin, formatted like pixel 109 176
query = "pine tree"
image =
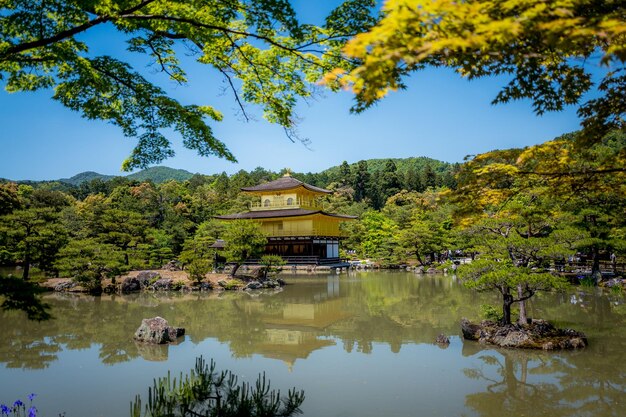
pixel 361 181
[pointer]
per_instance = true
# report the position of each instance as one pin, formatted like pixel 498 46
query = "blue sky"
pixel 441 116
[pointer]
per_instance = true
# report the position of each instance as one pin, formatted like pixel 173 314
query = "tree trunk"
pixel 595 265
pixel 522 306
pixel 419 258
pixel 234 271
pixel 507 300
pixel 26 270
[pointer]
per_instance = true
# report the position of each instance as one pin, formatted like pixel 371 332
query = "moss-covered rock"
pixel 537 334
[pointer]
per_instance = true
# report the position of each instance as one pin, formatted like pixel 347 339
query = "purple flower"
pixel 31 396
pixel 18 403
pixel 32 412
pixel 4 409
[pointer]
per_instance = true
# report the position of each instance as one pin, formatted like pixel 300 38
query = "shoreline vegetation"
pixel 533 334
pixel 181 280
pixel 527 219
pixel 166 279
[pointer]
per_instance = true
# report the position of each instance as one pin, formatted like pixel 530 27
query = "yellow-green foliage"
pixel 543 46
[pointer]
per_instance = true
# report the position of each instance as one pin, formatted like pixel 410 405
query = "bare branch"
pixel 195 23
pixel 234 90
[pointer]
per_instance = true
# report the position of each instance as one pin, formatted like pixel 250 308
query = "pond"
pixel 358 344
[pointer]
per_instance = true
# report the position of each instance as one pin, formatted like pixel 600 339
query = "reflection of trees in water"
pixel 371 308
pixel 533 383
pixel 598 383
pixel 397 309
pixel 29 353
pixel 590 382
pixel 79 322
pixel 509 389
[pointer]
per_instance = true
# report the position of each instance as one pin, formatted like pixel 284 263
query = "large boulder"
pixel 537 334
pixel 130 284
pixel 157 331
pixel 146 277
pixel 162 284
pixel 65 286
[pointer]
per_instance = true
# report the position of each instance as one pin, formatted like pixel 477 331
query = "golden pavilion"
pixel 292 218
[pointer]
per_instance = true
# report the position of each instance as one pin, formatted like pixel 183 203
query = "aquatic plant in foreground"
pixel 18 409
pixel 205 392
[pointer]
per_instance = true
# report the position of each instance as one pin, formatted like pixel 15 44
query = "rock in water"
pixel 157 330
pixel 442 339
pixel 253 285
pixel 538 334
pixel 470 331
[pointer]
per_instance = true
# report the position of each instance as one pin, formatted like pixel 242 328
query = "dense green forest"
pixel 536 207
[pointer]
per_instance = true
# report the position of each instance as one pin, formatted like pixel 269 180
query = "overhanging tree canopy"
pixel 548 48
pixel 265 55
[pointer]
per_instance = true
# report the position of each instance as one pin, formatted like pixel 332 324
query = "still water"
pixel 358 345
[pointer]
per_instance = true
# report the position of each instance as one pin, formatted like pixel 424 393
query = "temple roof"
pixel 219 244
pixel 267 214
pixel 285 183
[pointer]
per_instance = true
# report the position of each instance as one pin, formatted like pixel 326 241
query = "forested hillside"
pixel 412 174
pixel 539 205
pixel 85 177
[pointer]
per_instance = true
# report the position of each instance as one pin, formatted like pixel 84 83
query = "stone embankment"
pixel 537 334
pixel 168 280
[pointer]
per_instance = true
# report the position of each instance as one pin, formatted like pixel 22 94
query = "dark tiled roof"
pixel 341 216
pixel 285 183
pixel 268 214
pixel 219 244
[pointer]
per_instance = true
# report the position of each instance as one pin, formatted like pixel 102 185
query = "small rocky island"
pixel 157 331
pixel 537 334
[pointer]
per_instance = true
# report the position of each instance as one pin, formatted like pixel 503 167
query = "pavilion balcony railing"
pixel 291 232
pixel 585 267
pixel 282 205
pixel 303 260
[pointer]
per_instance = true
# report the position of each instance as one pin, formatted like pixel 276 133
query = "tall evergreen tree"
pixel 429 177
pixel 387 184
pixel 32 235
pixel 413 180
pixel 361 181
pixel 345 174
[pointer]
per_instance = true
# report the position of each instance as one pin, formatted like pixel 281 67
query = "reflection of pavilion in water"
pixel 294 327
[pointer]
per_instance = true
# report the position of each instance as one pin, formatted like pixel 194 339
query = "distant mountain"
pixel 155 174
pixel 85 177
pixel 160 174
